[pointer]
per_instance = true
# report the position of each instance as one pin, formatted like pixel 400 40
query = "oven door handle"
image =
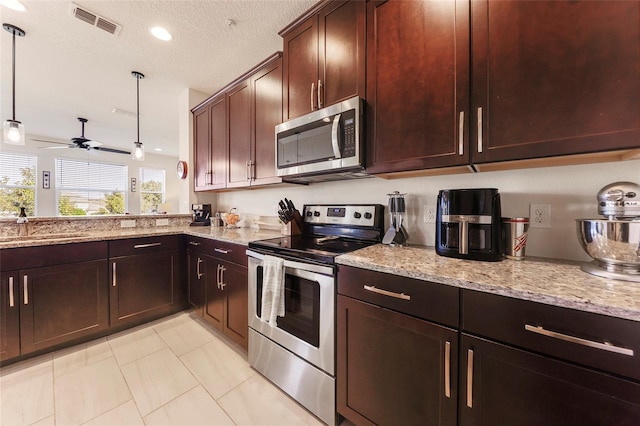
pixel 300 266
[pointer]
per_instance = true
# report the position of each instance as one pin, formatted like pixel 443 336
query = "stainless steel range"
pixel 298 355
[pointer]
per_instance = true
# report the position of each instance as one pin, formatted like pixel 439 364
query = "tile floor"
pixel 174 371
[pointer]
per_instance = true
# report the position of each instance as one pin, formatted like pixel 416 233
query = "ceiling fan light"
pixel 137 153
pixel 14 132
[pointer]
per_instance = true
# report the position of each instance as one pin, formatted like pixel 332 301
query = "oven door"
pixel 308 326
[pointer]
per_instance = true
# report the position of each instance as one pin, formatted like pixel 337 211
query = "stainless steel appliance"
pixel 201 214
pixel 468 224
pixel 323 145
pixel 299 354
pixel 614 243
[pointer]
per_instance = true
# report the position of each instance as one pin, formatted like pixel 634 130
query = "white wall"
pixel 46 198
pixel 570 190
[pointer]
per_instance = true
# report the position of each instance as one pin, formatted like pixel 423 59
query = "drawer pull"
pixel 138 246
pixel 223 251
pixel 470 378
pixel 387 293
pixel 194 243
pixel 447 369
pixel 11 296
pixel 584 342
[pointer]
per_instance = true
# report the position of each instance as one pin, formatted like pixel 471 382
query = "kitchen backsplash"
pixel 570 190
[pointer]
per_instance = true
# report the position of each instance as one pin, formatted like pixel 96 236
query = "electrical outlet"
pixel 128 223
pixel 429 213
pixel 539 215
pixel 162 222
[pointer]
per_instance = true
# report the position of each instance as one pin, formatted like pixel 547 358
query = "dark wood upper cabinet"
pixel 210 142
pixel 554 78
pixel 417 85
pixel 324 57
pixel 239 114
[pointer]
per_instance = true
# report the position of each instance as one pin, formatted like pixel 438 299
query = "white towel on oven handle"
pixel 272 289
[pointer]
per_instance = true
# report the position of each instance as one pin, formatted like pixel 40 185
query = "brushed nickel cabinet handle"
pixel 470 378
pixel 198 268
pixel 313 90
pixel 222 284
pixel 223 251
pixel 461 133
pixel 447 369
pixel 584 342
pixel 139 246
pixel 218 279
pixel 113 274
pixel 11 296
pixel 319 93
pixel 479 129
pixel 374 289
pixel 194 243
pixel 248 170
pixel 25 294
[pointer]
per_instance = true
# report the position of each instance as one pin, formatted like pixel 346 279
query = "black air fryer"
pixel 468 224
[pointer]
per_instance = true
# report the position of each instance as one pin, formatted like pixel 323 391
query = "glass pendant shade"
pixel 138 151
pixel 13 132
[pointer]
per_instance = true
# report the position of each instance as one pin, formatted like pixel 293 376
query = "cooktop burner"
pixel 329 231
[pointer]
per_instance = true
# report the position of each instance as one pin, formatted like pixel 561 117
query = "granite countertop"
pixel 559 283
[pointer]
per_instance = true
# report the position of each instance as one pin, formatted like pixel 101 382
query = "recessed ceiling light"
pixel 13 4
pixel 161 34
pixel 157 149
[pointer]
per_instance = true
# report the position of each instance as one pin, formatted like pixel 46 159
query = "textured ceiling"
pixel 66 68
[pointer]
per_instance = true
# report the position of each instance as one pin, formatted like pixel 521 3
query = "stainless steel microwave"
pixel 322 143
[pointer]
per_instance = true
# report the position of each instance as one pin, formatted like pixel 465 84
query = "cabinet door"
pixel 393 368
pixel 341 53
pixel 218 143
pixel 197 271
pixel 234 283
pixel 239 114
pixel 267 113
pixel 62 303
pixel 215 296
pixel 301 69
pixel 9 315
pixel 144 286
pixel 554 78
pixel 417 84
pixel 506 386
pixel 201 138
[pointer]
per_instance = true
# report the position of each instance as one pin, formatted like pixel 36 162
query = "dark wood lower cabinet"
pixel 394 369
pixel 196 280
pixel 501 385
pixel 62 303
pixel 9 315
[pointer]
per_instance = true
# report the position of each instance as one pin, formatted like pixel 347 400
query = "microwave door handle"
pixel 335 143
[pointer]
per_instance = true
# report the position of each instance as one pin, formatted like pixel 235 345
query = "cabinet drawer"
pixel 230 252
pixel 39 256
pixel 423 299
pixel 142 245
pixel 598 341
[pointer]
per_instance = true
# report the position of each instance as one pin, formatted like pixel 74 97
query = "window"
pixel 17 184
pixel 84 188
pixel 152 190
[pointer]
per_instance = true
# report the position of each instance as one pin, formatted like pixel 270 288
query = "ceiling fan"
pixel 84 143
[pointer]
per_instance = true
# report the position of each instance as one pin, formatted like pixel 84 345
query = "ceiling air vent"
pixel 95 20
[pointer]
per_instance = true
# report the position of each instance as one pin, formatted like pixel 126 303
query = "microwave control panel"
pixel 349 120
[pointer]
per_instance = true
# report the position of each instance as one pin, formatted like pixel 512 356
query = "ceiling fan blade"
pixel 114 150
pixel 57 147
pixel 47 141
pixel 91 144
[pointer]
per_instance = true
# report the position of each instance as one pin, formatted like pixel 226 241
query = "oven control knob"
pixel 367 215
pixel 357 215
pixel 309 213
pixel 316 214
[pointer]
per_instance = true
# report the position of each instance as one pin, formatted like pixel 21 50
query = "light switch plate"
pixel 128 223
pixel 162 222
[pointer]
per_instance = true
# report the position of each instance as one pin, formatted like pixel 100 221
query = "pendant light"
pixel 138 148
pixel 13 129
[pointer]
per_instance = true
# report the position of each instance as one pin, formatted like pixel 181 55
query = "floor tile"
pixel 258 402
pixel 89 391
pixel 131 345
pixel 183 334
pixel 49 421
pixel 76 357
pixel 218 367
pixel 123 415
pixel 195 407
pixel 26 392
pixel 157 379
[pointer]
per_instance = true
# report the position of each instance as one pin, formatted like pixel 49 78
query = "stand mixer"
pixel 396 235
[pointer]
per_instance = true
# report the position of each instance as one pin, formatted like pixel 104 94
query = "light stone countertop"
pixel 559 283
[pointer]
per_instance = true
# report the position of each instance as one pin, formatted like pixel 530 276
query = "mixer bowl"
pixel 614 244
